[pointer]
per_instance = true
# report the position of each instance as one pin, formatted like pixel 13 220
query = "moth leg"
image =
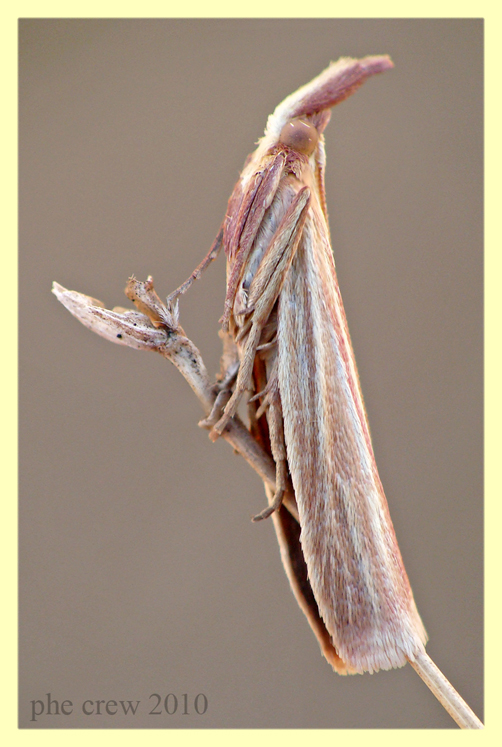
pixel 268 345
pixel 245 222
pixel 275 424
pixel 210 256
pixel 220 403
pixel 264 291
pixel 229 367
pixel 271 388
pixel 243 381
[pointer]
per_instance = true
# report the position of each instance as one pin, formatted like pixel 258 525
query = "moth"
pixel 288 351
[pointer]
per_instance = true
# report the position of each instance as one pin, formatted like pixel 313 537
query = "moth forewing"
pixel 353 560
pixel 285 312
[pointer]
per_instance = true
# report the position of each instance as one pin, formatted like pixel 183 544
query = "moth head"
pixel 300 120
pixel 300 135
pixel 312 102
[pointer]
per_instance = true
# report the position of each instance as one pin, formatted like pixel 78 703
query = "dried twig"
pixel 444 691
pixel 156 327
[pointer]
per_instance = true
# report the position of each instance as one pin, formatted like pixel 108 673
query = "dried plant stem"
pixel 445 692
pixel 156 328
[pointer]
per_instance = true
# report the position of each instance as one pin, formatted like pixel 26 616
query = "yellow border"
pixel 438 9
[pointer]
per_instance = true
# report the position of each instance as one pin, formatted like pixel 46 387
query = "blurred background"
pixel 140 569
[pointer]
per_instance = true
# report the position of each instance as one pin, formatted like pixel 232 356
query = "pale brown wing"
pixel 348 541
pixel 287 530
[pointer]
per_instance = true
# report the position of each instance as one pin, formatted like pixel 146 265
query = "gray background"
pixel 140 570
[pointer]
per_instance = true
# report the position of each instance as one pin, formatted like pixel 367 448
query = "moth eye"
pixel 300 136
